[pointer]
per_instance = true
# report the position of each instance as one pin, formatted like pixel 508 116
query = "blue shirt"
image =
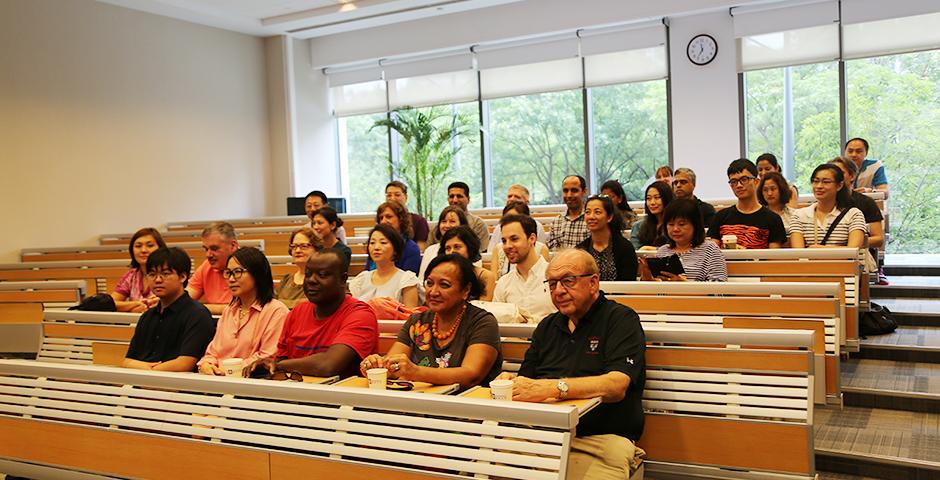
pixel 880 178
pixel 410 258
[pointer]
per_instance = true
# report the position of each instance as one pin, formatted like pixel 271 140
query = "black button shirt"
pixel 608 339
pixel 184 328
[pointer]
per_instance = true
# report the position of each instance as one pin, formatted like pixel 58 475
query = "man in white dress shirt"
pixel 524 285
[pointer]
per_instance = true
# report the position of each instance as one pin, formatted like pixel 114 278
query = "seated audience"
pixel 208 285
pixel 593 347
pixel 252 323
pixel 524 284
pixel 702 260
pixel 132 292
pixel 499 264
pixel 386 280
pixel 767 163
pixel 614 190
pixel 331 332
pixel 458 195
pixel 303 242
pixel 871 173
pixel 614 255
pixel 752 224
pixel 453 341
pixel 395 215
pixel 774 193
pixel 316 200
pixel 463 242
pixel 683 185
pixel 451 217
pixel 832 221
pixel 173 335
pixel 397 191
pixel 568 229
pixel 647 234
pixel 873 216
pixel 515 193
pixel 325 224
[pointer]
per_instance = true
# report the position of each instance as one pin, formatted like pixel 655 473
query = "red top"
pixel 353 324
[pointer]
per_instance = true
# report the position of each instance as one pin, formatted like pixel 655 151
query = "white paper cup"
pixel 377 377
pixel 730 241
pixel 233 367
pixel 501 390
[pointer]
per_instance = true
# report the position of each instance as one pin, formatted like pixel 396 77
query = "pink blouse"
pixel 256 338
pixel 133 285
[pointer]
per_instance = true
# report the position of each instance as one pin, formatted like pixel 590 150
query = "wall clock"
pixel 702 49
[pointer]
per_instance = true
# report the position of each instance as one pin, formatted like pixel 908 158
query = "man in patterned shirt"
pixel 569 229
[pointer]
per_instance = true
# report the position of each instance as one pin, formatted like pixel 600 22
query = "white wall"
pixel 113 119
pixel 279 65
pixel 316 166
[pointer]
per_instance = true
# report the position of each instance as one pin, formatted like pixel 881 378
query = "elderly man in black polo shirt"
pixel 173 335
pixel 591 347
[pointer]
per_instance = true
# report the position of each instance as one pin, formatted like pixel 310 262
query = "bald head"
pixel 573 282
pixel 576 258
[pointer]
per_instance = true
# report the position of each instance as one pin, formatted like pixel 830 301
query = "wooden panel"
pixel 514 350
pixel 730 305
pixel 21 313
pixel 730 443
pixel 127 454
pixel 39 296
pixel 844 268
pixel 103 332
pixel 83 256
pixel 727 359
pixel 764 323
pixel 108 353
pixel 839 280
pixel 385 343
pixel 851 322
pixel 62 273
pixel 832 375
pixel 292 467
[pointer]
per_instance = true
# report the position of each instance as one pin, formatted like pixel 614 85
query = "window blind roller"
pixel 545 64
pixel 861 11
pixel 771 18
pixel 597 41
pixel 891 36
pixel 792 47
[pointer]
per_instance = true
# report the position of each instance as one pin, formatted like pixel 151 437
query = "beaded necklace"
pixel 453 328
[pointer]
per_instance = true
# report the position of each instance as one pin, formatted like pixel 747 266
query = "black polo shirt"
pixel 184 328
pixel 868 207
pixel 608 339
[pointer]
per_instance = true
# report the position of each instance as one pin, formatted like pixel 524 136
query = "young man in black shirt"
pixel 592 347
pixel 173 335
pixel 754 225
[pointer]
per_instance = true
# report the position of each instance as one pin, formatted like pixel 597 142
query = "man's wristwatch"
pixel 562 387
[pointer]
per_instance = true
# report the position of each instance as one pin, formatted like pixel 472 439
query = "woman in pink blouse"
pixel 132 293
pixel 251 325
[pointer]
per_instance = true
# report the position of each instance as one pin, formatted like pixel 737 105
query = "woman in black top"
pixel 614 255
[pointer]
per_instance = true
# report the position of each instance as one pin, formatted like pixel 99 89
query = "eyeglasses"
pixel 303 246
pixel 403 385
pixel 568 282
pixel 160 275
pixel 235 273
pixel 823 181
pixel 282 375
pixel 740 180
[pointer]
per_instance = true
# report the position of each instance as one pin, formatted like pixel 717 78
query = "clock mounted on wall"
pixel 702 49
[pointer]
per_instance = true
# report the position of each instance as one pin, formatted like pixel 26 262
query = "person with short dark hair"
pixel 753 224
pixel 871 173
pixel 767 163
pixel 395 215
pixel 453 341
pixel 463 242
pixel 524 284
pixel 396 191
pixel 592 347
pixel 329 333
pixel 316 200
pixel 252 323
pixel 451 216
pixel 173 335
pixel 614 255
pixel 325 225
pixel 702 260
pixel 614 190
pixel 499 264
pixel 207 284
pixel 774 193
pixel 647 234
pixel 458 195
pixel 385 248
pixel 568 229
pixel 833 210
pixel 132 292
pixel 683 186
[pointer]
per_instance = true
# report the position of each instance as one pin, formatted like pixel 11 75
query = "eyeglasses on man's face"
pixel 568 281
pixel 161 274
pixel 233 273
pixel 740 181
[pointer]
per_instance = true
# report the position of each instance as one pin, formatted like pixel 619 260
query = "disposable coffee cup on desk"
pixel 501 390
pixel 377 377
pixel 233 367
pixel 730 242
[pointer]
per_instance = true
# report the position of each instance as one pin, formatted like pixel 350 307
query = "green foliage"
pixel 366 153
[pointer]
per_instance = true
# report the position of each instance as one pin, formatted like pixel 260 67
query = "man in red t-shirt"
pixel 332 332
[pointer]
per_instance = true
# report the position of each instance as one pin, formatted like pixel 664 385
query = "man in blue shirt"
pixel 871 173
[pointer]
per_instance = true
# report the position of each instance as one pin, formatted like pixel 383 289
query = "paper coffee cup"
pixel 233 367
pixel 730 241
pixel 377 377
pixel 501 390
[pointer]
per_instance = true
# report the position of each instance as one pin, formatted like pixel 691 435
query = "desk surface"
pixel 583 405
pixel 421 387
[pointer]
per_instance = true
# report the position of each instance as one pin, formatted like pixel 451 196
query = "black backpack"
pixel 876 321
pixel 96 303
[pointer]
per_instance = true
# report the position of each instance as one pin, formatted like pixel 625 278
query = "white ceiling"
pixel 301 18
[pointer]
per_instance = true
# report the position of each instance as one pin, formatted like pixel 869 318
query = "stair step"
pixel 913 311
pixel 910 386
pixel 925 270
pixel 908 287
pixel 878 443
pixel 906 344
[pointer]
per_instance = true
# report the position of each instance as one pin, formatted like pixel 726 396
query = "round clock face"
pixel 702 49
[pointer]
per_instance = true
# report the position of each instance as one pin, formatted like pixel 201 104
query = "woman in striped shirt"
pixel 702 260
pixel 810 225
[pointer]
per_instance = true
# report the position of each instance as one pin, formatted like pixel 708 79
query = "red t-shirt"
pixel 353 324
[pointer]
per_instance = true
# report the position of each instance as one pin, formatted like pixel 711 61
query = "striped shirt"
pixel 704 263
pixel 804 222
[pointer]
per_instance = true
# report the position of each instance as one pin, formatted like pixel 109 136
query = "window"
pixel 363 154
pixel 631 137
pixel 536 140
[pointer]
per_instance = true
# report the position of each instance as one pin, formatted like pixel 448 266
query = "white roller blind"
pixel 761 19
pixel 860 11
pixel 531 78
pixel 349 74
pixel 892 36
pixel 621 38
pixel 792 47
pixel 359 98
pixel 556 47
pixel 623 67
pixel 430 64
pixel 438 89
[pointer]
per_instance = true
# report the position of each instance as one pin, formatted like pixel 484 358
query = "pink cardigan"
pixel 253 340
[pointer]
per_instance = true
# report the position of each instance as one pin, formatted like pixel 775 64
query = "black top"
pixel 706 209
pixel 184 328
pixel 868 207
pixel 754 230
pixel 624 256
pixel 608 339
pixel 346 251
